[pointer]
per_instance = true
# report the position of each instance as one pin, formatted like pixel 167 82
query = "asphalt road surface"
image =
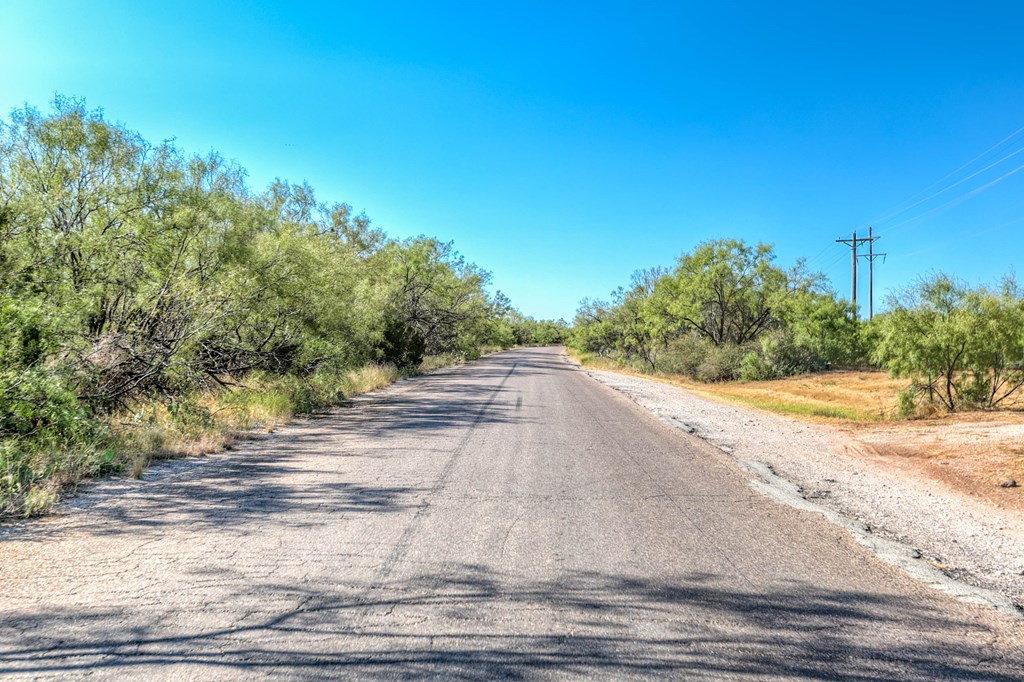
pixel 511 518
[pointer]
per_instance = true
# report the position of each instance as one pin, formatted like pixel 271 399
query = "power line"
pixel 818 257
pixel 957 200
pixel 935 246
pixel 901 208
pixel 914 201
pixel 949 187
pixel 834 261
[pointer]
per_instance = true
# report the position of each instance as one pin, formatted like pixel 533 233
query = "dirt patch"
pixel 971 453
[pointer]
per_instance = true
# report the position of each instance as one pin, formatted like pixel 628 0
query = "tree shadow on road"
pixel 468 622
pixel 301 469
pixel 256 479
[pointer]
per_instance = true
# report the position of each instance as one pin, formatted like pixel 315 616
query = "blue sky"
pixel 564 145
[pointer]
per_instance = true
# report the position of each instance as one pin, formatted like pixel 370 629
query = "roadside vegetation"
pixel 733 323
pixel 962 347
pixel 152 304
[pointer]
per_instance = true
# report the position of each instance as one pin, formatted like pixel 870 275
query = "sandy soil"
pixel 971 453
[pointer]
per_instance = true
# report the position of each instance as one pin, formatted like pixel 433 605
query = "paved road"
pixel 507 519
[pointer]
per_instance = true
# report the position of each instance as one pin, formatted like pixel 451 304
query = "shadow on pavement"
pixel 471 623
pixel 262 478
pixel 459 621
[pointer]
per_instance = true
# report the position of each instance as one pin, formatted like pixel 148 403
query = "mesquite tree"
pixel 962 346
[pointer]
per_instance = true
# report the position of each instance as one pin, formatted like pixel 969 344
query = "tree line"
pixel 133 273
pixel 136 279
pixel 727 311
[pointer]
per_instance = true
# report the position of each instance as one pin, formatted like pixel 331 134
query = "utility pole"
pixel 853 243
pixel 871 256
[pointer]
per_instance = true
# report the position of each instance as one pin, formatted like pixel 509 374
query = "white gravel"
pixel 968 540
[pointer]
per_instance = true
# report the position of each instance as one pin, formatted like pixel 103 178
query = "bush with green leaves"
pixel 594 330
pixel 823 331
pixel 962 346
pixel 45 433
pixel 730 292
pixel 133 273
pixel 526 331
pixel 780 354
pixel 722 363
pixel 159 273
pixel 684 354
pixel 697 357
pixel 726 310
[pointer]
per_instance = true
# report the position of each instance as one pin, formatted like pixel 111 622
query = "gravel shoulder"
pixel 911 519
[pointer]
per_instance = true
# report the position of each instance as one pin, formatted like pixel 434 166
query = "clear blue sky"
pixel 563 146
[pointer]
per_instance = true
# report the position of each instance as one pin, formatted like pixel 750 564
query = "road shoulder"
pixel 963 546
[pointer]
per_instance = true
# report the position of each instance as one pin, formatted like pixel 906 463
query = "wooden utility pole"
pixel 871 256
pixel 853 242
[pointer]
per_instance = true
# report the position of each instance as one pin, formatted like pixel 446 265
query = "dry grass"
pixel 366 379
pixel 859 396
pixel 210 421
pixel 214 421
pixel 868 396
pixel 434 362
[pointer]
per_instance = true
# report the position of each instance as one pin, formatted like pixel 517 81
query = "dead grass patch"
pixel 848 395
pixel 828 396
pixel 213 421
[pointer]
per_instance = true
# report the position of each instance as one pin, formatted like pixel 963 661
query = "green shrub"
pixel 167 283
pixel 753 367
pixel 402 346
pixel 964 344
pixel 906 402
pixel 33 404
pixel 36 465
pixel 700 359
pixel 824 333
pixel 684 355
pixel 778 356
pixel 721 363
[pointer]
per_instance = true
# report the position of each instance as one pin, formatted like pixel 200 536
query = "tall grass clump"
pixel 48 440
pixel 264 401
pixel 433 362
pixel 368 378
